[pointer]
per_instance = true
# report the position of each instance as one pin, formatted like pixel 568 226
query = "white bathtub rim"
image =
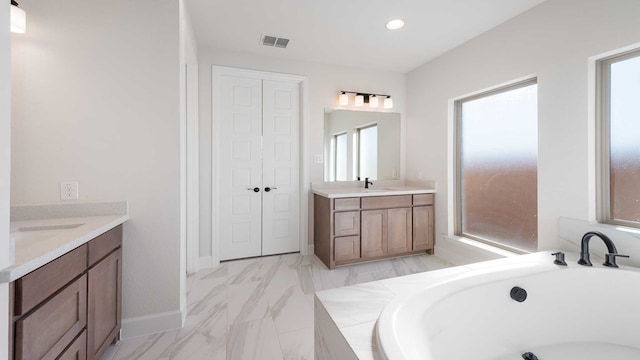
pixel 386 334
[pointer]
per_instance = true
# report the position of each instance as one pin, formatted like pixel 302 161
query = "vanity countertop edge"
pixel 30 258
pixel 335 193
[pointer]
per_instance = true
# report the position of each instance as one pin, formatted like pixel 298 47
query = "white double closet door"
pixel 259 169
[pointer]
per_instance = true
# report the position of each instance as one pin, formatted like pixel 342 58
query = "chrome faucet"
pixel 610 258
pixel 367 183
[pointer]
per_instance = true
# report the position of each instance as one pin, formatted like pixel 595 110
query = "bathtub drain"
pixel 529 356
pixel 518 294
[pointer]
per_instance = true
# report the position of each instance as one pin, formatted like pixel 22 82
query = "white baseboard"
pixel 183 311
pixel 151 324
pixel 206 262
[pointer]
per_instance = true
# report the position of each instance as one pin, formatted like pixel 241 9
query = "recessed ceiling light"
pixel 395 24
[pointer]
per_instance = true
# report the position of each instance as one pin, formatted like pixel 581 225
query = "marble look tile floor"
pixel 259 308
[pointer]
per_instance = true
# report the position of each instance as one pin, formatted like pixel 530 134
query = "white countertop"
pixel 32 252
pixel 333 193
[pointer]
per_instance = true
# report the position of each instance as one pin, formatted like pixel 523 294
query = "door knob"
pixel 255 189
pixel 267 189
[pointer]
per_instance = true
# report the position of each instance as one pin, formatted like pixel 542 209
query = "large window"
pixel 619 120
pixel 497 166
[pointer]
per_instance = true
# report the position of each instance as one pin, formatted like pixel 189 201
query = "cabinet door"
pixel 347 248
pixel 104 304
pixel 347 223
pixel 399 230
pixel 423 227
pixel 374 233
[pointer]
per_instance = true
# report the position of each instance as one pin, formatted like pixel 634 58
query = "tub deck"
pixel 345 318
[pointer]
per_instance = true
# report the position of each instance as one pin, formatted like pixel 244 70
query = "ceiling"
pixel 349 32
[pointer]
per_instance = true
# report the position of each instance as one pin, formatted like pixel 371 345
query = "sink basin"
pixel 38 233
pixel 372 190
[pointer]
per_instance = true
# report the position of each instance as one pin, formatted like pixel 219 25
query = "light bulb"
pixel 344 99
pixel 395 24
pixel 359 100
pixel 373 101
pixel 18 20
pixel 388 103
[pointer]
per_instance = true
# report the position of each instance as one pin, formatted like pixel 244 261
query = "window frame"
pixel 457 188
pixel 603 138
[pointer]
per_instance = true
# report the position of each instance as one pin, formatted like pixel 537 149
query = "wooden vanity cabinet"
pixel 70 307
pixel 386 232
pixel 104 304
pixel 351 230
pixel 423 223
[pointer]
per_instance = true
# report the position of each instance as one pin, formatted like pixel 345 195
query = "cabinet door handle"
pixel 255 189
pixel 267 189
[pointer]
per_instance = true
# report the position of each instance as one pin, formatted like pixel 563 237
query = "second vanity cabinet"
pixel 351 230
pixel 70 307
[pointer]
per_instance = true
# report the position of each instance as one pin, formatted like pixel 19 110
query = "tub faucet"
pixel 610 258
pixel 367 183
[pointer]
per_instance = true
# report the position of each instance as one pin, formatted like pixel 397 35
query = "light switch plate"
pixel 318 158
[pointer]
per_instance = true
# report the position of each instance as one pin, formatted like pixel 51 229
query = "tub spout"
pixel 584 248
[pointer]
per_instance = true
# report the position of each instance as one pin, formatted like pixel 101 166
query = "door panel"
pixel 374 233
pixel 241 165
pixel 400 229
pixel 423 227
pixel 281 205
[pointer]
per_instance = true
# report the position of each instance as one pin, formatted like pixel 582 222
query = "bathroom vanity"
pixel 357 225
pixel 65 287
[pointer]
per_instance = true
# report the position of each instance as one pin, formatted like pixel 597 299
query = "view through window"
pixel 622 121
pixel 368 152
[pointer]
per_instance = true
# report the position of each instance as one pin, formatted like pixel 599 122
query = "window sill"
pixel 482 247
pixel 621 228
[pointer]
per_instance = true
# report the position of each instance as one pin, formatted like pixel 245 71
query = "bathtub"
pixel 572 312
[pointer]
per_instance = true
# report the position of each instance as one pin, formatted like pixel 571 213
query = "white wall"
pixel 554 42
pixel 96 100
pixel 5 168
pixel 325 82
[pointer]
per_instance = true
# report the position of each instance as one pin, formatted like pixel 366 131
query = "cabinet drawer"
pixel 36 286
pixel 347 248
pixel 346 223
pixel 104 244
pixel 423 199
pixel 384 202
pixel 77 350
pixel 46 332
pixel 346 204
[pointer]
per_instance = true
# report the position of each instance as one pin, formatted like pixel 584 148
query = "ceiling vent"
pixel 269 40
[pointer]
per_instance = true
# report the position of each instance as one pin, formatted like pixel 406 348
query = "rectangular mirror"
pixel 361 144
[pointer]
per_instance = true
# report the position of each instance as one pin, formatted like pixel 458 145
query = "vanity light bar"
pixel 361 99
